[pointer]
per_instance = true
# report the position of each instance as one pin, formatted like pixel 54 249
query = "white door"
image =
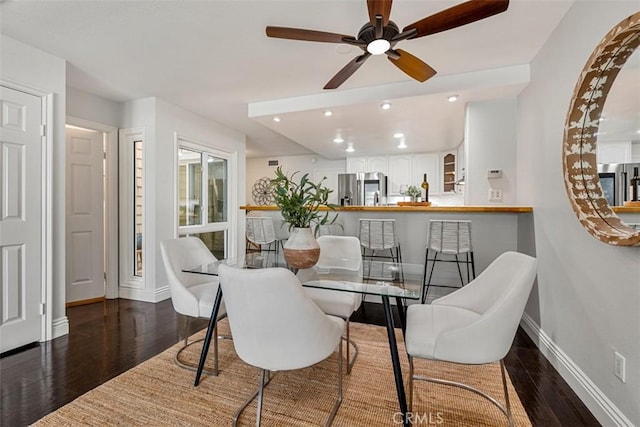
pixel 85 225
pixel 21 214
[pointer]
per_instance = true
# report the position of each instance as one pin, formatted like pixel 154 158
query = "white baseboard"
pixel 60 327
pixel 598 403
pixel 145 295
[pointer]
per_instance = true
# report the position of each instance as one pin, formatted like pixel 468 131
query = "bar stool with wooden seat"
pixel 448 237
pixel 380 235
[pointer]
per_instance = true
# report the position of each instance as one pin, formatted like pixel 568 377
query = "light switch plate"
pixel 495 195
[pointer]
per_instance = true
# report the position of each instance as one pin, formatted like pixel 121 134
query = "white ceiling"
pixel 213 58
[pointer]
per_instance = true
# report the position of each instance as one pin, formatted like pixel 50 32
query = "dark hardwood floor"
pixel 109 338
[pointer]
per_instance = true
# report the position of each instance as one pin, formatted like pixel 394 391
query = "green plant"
pixel 299 200
pixel 413 191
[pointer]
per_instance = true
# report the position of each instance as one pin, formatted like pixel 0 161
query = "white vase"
pixel 301 249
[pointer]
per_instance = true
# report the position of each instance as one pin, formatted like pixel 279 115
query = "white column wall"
pixel 490 143
pixel 586 304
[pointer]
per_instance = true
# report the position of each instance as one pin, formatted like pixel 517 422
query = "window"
pixel 137 207
pixel 203 196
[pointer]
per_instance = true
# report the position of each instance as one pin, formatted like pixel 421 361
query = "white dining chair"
pixel 341 253
pixel 475 324
pixel 192 295
pixel 277 327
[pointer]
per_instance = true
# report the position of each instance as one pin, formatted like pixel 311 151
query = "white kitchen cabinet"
pixel 356 164
pixel 378 164
pixel 368 164
pixel 399 173
pixel 428 163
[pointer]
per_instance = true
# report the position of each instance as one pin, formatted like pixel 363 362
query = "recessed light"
pixel 350 149
pixel 276 119
pixel 398 135
pixel 385 105
pixel 328 113
pixel 452 98
pixel 338 140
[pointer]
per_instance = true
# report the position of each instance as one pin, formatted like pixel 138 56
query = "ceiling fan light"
pixel 276 119
pixel 398 135
pixel 338 140
pixel 378 46
pixel 328 113
pixel 385 105
pixel 402 145
pixel 350 149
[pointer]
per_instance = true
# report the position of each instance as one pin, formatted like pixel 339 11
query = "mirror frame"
pixel 580 135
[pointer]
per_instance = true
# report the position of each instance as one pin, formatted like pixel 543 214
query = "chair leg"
pixel 424 276
pixel 505 410
pixel 259 391
pixel 473 266
pixel 459 270
pixel 410 385
pixel 338 401
pixel 349 342
pixel 194 368
pixel 506 394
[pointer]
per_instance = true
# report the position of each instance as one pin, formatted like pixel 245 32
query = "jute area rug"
pixel 159 393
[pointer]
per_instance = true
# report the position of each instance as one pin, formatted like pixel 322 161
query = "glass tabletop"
pixel 392 279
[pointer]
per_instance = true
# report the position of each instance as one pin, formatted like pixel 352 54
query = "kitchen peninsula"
pixel 495 229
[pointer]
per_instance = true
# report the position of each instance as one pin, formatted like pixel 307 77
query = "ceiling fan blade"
pixel 456 16
pixel 379 7
pixel 414 67
pixel 306 35
pixel 347 71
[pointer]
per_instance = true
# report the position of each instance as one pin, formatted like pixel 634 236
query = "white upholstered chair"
pixel 192 295
pixel 338 253
pixel 276 326
pixel 475 324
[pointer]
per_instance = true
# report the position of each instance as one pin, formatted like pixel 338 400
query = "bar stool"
pixel 448 237
pixel 380 235
pixel 260 232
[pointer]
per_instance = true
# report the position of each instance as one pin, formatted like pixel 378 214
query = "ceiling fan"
pixel 380 35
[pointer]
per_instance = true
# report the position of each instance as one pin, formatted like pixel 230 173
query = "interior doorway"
pixel 91 212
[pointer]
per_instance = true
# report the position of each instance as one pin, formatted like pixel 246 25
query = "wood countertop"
pixel 494 209
pixel 626 209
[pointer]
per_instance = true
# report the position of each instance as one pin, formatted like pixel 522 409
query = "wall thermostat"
pixel 494 173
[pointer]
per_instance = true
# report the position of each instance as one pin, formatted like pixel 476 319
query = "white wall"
pixel 91 107
pixel 259 167
pixel 490 143
pixel 587 300
pixel 162 121
pixel 35 69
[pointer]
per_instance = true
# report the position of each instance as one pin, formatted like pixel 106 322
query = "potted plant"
pixel 299 202
pixel 414 192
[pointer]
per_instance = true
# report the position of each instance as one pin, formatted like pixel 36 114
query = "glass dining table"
pixel 381 279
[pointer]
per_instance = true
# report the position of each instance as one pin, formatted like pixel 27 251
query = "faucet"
pixel 376 198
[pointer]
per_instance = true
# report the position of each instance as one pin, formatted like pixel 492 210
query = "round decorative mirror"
pixel 581 133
